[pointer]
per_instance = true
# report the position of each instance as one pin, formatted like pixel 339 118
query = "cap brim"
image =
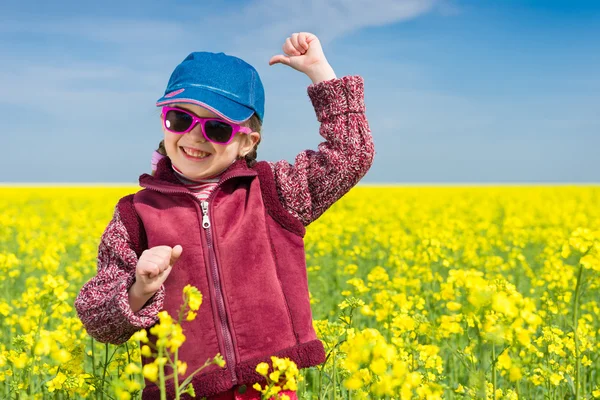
pixel 222 106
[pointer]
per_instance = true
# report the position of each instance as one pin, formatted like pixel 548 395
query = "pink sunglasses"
pixel 219 131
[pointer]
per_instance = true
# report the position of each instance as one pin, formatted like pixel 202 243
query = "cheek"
pixel 232 149
pixel 171 141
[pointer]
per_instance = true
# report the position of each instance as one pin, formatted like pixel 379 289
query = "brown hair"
pixel 256 126
pixel 253 123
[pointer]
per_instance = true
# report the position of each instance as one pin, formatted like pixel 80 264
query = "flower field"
pixel 417 293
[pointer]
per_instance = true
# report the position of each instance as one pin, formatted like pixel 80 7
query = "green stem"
pixel 128 355
pixel 182 310
pixel 584 386
pixel 104 371
pixel 31 352
pixel 176 374
pixel 189 378
pixel 494 369
pixel 161 375
pixel 334 387
pixel 93 358
pixel 106 361
pixel 575 325
pixel 321 379
pixel 481 389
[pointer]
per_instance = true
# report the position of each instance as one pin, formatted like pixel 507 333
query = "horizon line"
pixel 379 184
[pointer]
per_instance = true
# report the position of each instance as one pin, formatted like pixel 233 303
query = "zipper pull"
pixel 205 220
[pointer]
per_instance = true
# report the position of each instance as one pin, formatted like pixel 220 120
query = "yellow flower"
pixel 177 338
pixel 122 395
pixel 218 359
pixel 515 374
pixel 193 297
pixel 191 316
pixel 353 383
pixel 61 356
pixel 21 361
pixel 262 368
pixel 420 259
pixel 150 372
pixel 146 352
pixel 479 296
pixel 378 366
pixel 44 346
pixel 504 360
pixel 181 367
pixel 556 379
pixel 57 382
pixel 503 304
pixel 132 368
pixel 141 336
pixel 290 384
pixel 274 376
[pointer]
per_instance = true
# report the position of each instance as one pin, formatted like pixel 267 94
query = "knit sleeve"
pixel 319 178
pixel 103 302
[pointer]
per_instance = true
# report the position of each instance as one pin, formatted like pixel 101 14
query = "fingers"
pixel 295 45
pixel 175 254
pixel 302 40
pixel 150 268
pixel 289 48
pixel 156 260
pixel 294 39
pixel 279 59
pixel 309 38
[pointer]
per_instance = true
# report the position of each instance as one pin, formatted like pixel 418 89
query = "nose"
pixel 196 133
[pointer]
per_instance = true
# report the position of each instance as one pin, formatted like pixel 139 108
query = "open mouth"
pixel 194 154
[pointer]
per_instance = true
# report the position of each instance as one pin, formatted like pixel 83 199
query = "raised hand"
pixel 303 52
pixel 153 268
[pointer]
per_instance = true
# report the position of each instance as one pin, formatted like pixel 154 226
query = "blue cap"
pixel 225 85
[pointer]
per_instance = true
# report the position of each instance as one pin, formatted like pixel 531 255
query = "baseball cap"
pixel 223 84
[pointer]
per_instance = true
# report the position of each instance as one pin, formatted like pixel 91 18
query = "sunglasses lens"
pixel 178 121
pixel 218 131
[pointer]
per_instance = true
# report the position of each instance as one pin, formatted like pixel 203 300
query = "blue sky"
pixel 456 91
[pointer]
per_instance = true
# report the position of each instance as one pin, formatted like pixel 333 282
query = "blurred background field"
pixel 417 292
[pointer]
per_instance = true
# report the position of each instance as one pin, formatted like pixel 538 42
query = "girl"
pixel 213 217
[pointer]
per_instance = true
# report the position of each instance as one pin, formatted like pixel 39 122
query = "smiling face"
pixel 196 157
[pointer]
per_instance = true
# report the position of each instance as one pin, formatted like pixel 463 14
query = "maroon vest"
pixel 245 253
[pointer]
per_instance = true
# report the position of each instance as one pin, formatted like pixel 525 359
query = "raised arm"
pixel 103 302
pixel 319 178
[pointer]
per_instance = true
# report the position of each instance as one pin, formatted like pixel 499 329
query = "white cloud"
pixel 332 18
pixel 142 48
pixel 268 22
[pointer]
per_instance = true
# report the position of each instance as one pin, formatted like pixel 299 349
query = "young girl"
pixel 213 217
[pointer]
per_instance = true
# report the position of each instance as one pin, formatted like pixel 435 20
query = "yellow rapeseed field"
pixel 417 293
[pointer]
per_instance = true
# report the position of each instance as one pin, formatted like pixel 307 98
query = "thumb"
pixel 175 254
pixel 279 59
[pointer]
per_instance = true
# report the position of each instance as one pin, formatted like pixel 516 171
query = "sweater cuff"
pixel 337 96
pixel 144 318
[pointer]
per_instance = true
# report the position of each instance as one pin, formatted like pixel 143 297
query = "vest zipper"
pixel 229 352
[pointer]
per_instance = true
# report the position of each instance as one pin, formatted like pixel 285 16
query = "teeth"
pixel 195 153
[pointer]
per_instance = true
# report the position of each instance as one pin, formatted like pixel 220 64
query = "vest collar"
pixel 164 178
